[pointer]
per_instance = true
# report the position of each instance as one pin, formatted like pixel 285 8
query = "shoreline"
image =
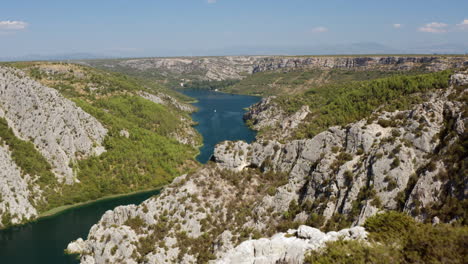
pixel 62 209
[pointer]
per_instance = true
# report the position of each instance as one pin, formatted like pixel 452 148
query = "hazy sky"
pixel 177 27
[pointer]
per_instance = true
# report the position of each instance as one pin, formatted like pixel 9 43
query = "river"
pixel 219 118
pixel 43 241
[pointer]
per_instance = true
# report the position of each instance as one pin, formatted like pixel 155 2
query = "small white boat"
pixel 215 110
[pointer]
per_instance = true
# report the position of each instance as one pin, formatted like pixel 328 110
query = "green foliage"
pixel 353 252
pixel 6 218
pixel 348 102
pixel 396 238
pixel 135 223
pixel 282 82
pixel 209 85
pixel 141 112
pixel 390 226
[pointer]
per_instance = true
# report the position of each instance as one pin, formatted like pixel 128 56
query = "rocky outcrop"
pixel 235 67
pixel 17 194
pixel 460 78
pixel 402 63
pixel 287 247
pixel 60 130
pixel 268 116
pixel 164 99
pixel 209 68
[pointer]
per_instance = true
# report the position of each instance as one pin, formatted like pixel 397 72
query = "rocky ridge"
pixel 391 162
pixel 235 67
pixel 60 130
pixel 165 99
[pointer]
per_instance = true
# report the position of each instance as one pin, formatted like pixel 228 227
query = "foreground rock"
pixel 287 247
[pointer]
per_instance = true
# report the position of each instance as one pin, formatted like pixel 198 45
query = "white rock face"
pixel 235 67
pixel 61 131
pixel 286 247
pixel 168 100
pixel 460 78
pixel 15 194
pixel 374 62
pixel 269 116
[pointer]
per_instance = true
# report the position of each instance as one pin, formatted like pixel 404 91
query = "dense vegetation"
pixel 170 80
pixel 210 85
pixel 397 238
pixel 298 81
pixel 147 157
pixel 340 104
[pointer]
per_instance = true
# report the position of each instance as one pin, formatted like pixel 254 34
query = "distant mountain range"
pixel 323 49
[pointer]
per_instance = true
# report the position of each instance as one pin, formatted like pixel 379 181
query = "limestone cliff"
pixel 60 130
pixel 236 67
pixel 16 195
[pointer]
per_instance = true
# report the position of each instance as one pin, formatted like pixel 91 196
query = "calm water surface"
pixel 219 118
pixel 43 242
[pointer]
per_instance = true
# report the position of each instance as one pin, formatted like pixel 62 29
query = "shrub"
pixel 384 123
pixel 395 163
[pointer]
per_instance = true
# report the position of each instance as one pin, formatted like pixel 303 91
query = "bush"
pixel 390 226
pixel 353 252
pixel 396 238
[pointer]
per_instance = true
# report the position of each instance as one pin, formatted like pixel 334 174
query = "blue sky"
pixel 209 27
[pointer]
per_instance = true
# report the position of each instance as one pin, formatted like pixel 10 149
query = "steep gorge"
pixel 405 160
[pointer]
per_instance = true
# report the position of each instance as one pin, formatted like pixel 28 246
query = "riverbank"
pixel 61 209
